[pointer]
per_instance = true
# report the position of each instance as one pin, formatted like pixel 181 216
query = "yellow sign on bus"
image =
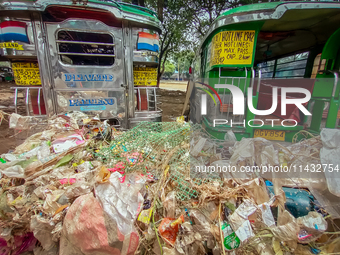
pixel 26 74
pixel 233 48
pixel 145 76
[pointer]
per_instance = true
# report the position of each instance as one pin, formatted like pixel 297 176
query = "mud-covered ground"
pixel 171 102
pixel 8 139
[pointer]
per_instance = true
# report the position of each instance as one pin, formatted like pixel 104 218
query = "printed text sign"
pixel 145 76
pixel 92 104
pixel 233 48
pixel 26 74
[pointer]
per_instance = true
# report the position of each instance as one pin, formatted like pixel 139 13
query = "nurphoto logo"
pixel 238 101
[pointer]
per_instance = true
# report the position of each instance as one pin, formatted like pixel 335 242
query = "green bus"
pixel 284 57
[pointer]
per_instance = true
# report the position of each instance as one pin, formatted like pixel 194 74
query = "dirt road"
pixel 174 85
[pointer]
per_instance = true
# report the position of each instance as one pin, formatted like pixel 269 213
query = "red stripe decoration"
pixel 147 35
pixel 12 23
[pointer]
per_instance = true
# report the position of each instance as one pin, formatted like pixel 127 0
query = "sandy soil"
pixel 172 102
pixel 174 85
pixel 171 99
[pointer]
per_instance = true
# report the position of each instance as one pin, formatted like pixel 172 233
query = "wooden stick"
pixel 220 226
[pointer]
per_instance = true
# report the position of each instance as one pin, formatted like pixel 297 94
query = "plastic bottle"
pixel 230 239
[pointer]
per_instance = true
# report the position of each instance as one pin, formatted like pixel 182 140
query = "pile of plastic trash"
pixel 82 187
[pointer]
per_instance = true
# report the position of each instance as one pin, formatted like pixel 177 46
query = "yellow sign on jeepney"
pixel 145 76
pixel 233 48
pixel 26 74
pixel 11 45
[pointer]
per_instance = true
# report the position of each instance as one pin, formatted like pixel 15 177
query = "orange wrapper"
pixel 168 229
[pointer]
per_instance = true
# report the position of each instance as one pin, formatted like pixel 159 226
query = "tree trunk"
pixel 160 5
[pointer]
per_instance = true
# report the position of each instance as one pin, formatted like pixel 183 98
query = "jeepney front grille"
pixel 84 48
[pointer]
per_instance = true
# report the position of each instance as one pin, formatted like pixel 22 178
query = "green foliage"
pixel 184 60
pixel 176 24
pixel 184 23
pixel 169 69
pixel 205 12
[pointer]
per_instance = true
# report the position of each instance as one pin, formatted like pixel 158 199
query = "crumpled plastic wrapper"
pixel 42 230
pixel 313 224
pixel 51 205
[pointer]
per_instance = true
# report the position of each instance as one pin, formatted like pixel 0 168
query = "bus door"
pixel 326 89
pixel 86 63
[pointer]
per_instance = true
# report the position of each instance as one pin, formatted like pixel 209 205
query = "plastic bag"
pixel 9 157
pixel 14 172
pixel 88 230
pixel 170 204
pixel 329 156
pixel 254 151
pixel 122 201
pixel 20 122
pixel 44 152
pixel 85 167
pixel 21 244
pixel 267 215
pixel 287 229
pixel 230 136
pixel 78 189
pixel 4 249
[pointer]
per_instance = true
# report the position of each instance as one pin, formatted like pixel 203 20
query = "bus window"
pixel 83 48
pixel 267 69
pixel 293 66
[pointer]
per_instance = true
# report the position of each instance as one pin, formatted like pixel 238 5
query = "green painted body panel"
pixel 332 113
pixel 252 8
pixel 317 115
pixel 114 4
pixel 138 10
pixel 128 8
pixel 324 87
